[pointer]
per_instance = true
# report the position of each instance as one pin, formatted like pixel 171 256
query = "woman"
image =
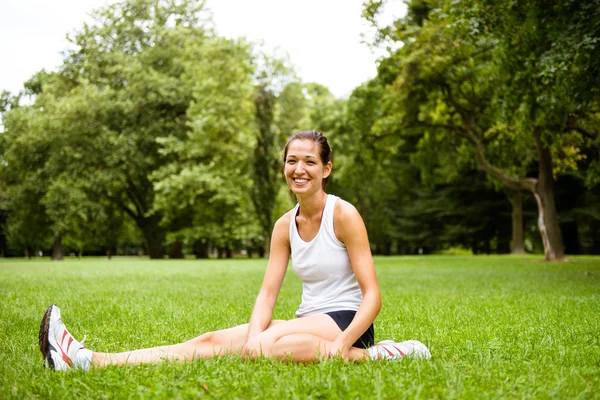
pixel 328 243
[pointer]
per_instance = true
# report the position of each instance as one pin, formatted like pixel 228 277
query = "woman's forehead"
pixel 303 148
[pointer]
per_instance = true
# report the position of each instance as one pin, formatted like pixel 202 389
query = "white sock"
pixel 375 353
pixel 83 359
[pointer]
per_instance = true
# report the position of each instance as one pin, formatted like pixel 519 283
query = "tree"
pixel 129 82
pixel 454 84
pixel 203 192
pixel 275 81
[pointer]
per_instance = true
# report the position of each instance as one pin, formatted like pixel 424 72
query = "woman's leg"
pixel 306 348
pixel 208 345
pixel 300 340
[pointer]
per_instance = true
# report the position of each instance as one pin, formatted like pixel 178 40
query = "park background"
pixel 158 138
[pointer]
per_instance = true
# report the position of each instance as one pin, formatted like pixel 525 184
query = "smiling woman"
pixel 301 158
pixel 328 244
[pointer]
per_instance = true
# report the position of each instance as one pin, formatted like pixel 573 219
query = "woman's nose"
pixel 299 166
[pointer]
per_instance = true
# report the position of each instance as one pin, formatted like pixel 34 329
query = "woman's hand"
pixel 338 348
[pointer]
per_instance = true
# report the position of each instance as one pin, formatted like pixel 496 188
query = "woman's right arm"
pixel 276 268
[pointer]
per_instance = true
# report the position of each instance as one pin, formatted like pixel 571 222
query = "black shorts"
pixel 343 320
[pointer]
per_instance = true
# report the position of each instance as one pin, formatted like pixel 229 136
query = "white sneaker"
pixel 390 350
pixel 60 350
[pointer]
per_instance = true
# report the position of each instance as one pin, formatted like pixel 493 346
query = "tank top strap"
pixel 328 217
pixel 293 229
pixel 330 205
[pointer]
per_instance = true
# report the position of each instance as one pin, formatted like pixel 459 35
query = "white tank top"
pixel 323 266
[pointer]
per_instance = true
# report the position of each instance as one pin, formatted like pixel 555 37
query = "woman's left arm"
pixel 350 230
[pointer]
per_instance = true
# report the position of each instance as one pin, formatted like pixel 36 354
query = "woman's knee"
pixel 226 340
pixel 205 338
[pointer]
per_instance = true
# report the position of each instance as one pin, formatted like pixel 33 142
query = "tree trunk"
pixel 176 250
pixel 152 236
pixel 544 196
pixel 201 250
pixel 542 189
pixel 155 250
pixel 57 253
pixel 517 243
pixel 266 167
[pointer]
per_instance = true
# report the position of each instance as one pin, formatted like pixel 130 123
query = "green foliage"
pixel 465 214
pixel 275 83
pixel 151 116
pixel 493 84
pixel 99 117
pixel 493 329
pixel 154 117
pixel 204 190
pixel 290 110
pixel 155 122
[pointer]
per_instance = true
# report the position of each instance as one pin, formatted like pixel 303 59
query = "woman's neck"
pixel 312 206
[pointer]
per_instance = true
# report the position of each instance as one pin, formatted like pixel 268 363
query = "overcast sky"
pixel 322 37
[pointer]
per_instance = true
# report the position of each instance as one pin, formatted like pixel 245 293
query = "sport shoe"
pixel 60 350
pixel 390 350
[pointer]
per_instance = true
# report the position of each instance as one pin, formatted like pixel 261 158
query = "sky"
pixel 321 37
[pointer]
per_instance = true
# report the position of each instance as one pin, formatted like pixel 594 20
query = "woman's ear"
pixel 327 169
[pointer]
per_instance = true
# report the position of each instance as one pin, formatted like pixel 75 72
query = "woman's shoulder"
pixel 346 220
pixel 344 209
pixel 283 222
pixel 281 230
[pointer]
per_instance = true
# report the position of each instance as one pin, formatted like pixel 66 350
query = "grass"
pixel 498 327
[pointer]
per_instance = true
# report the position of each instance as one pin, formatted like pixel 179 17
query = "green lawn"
pixel 498 327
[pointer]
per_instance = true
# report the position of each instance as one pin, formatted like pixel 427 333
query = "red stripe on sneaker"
pixel 399 351
pixel 389 352
pixel 66 358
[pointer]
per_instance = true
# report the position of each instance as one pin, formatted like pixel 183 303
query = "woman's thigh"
pixel 321 325
pixel 234 337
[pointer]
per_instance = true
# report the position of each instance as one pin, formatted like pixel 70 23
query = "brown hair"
pixel 316 137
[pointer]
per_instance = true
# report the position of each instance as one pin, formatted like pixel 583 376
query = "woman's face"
pixel 303 169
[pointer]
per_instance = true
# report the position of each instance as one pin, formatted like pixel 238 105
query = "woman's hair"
pixel 316 137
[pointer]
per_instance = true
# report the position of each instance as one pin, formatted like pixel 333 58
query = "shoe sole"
pixel 48 346
pixel 43 338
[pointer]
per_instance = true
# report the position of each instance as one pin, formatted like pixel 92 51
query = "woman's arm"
pixel 273 279
pixel 350 230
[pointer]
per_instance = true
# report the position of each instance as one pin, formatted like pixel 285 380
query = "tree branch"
pixel 484 164
pixel 464 113
pixel 122 206
pixel 572 125
pixel 138 202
